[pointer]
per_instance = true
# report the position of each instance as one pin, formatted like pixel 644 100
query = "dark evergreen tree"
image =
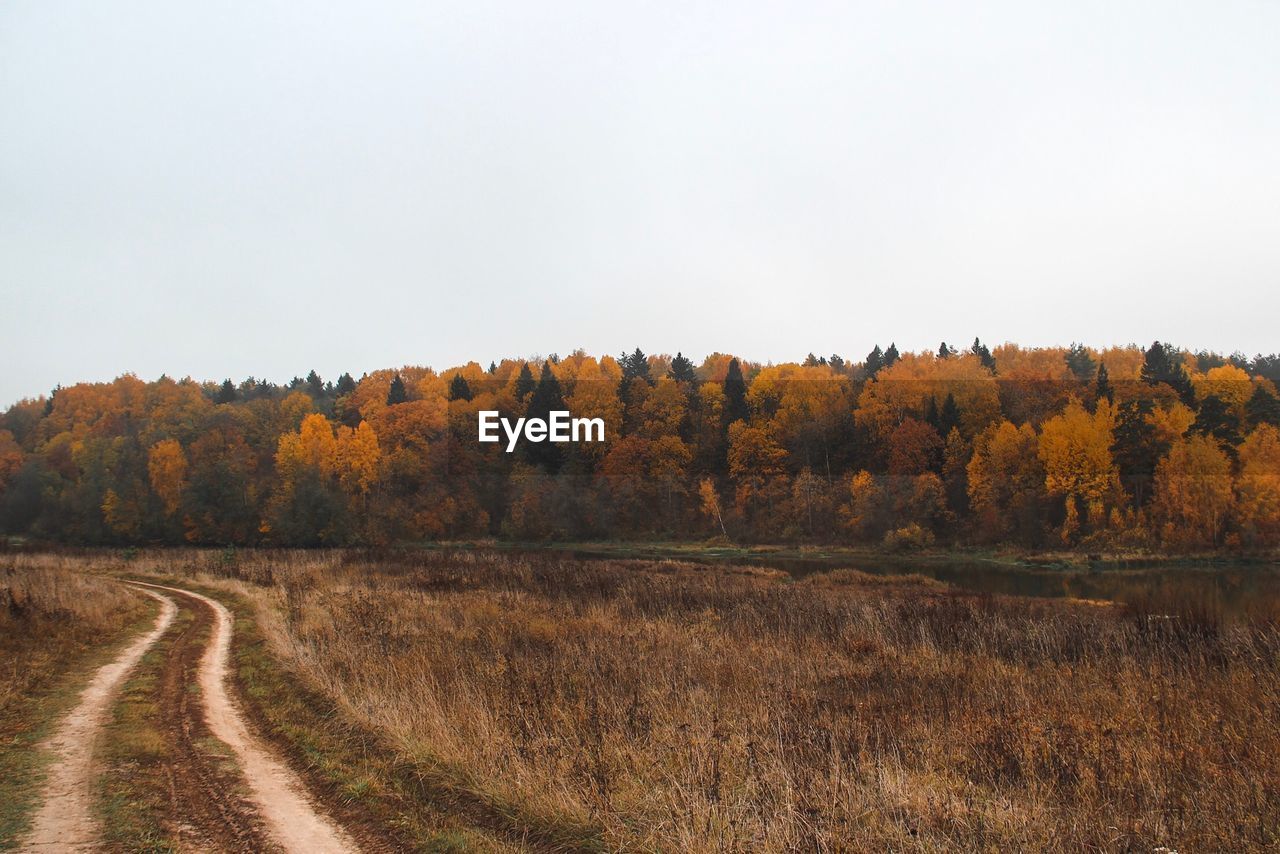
pixel 1266 366
pixel 1206 361
pixel 837 363
pixel 735 394
pixel 1136 448
pixel 493 367
pixel 345 385
pixel 1080 362
pixel 984 355
pixel 1102 386
pixel 682 370
pixel 945 351
pixel 635 366
pixel 397 393
pixel 315 385
pixel 810 361
pixel 874 362
pixel 1162 363
pixel 1216 419
pixel 459 388
pixel 547 397
pixel 931 413
pixel 948 416
pixel 1262 408
pixel 891 356
pixel 524 383
pixel 252 389
pixel 226 392
pixel 1155 364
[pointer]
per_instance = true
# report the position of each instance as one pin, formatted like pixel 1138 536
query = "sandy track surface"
pixel 65 820
pixel 292 820
pixel 207 810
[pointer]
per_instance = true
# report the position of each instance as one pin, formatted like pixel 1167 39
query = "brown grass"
pixel 688 708
pixel 56 625
pixel 50 611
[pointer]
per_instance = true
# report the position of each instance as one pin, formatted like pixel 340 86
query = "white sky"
pixel 235 188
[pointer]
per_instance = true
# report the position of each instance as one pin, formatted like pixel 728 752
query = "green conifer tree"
pixel 397 393
pixel 735 395
pixel 459 388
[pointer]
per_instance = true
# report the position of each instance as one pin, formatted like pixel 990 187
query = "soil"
pixel 290 818
pixel 65 820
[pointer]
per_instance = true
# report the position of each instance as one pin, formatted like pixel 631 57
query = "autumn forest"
pixel 1125 448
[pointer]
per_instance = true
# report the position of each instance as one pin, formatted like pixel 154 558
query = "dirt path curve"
pixel 280 797
pixel 65 820
pixel 207 810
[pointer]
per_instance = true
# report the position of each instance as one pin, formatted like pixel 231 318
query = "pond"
pixel 1231 589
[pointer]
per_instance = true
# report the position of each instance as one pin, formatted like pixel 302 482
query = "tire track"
pixel 204 808
pixel 292 821
pixel 65 819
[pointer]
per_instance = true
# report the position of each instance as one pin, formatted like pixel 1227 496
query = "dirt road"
pixel 254 803
pixel 288 814
pixel 206 809
pixel 65 821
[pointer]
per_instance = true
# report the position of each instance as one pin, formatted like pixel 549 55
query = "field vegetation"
pixel 55 624
pixel 660 705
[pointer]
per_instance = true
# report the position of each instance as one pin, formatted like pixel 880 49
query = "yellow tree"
pixel 358 458
pixel 1228 383
pixel 707 417
pixel 595 395
pixel 669 460
pixel 865 513
pixel 122 515
pixel 1075 448
pixel 1170 421
pixel 711 503
pixel 313 447
pixel 1259 486
pixel 811 403
pixel 294 408
pixel 906 388
pixel 663 410
pixel 811 500
pixel 10 458
pixel 167 469
pixel 1006 482
pixel 756 467
pixel 1193 492
pixel 1034 382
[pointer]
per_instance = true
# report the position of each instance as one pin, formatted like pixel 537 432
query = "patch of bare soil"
pixel 65 819
pixel 204 806
pixel 291 819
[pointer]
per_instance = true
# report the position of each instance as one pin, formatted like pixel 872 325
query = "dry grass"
pixel 685 708
pixel 56 625
pixel 48 611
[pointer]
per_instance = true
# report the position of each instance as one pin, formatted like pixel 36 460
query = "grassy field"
pixel 56 626
pixel 660 705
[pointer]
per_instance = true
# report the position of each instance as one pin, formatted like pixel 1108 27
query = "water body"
pixel 1231 589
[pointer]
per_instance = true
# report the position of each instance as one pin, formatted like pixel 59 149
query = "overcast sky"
pixel 235 188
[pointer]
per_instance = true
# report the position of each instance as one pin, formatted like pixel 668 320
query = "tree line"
pixel 1076 447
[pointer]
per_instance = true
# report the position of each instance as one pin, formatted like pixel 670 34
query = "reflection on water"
pixel 1233 589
